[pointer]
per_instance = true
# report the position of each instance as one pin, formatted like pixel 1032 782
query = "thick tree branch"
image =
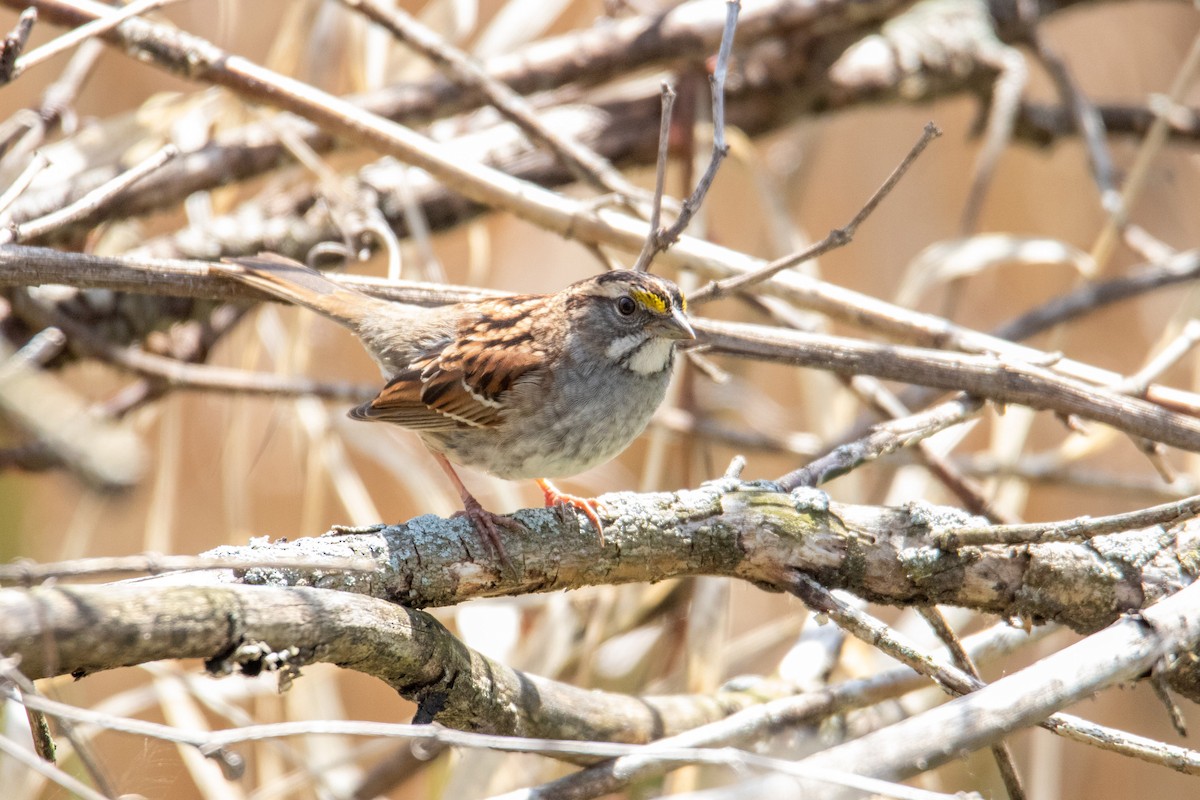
pixel 886 555
pixel 85 629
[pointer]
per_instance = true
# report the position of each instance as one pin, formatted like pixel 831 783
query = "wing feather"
pixel 462 381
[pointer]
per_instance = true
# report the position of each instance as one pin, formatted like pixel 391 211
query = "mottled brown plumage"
pixel 529 386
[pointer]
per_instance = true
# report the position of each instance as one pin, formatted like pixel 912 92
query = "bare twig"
pixel 583 161
pixel 1122 651
pixel 1000 380
pixel 1001 751
pixel 1079 529
pixel 1118 216
pixel 57 418
pixel 754 724
pixel 838 237
pixel 973 497
pixel 885 438
pixel 27 130
pixel 216 744
pixel 26 573
pixel 72 784
pixel 1169 356
pixel 1086 116
pixel 13 44
pixel 87 31
pixel 83 749
pixel 663 239
pixel 22 181
pixel 39 350
pixel 91 203
pixel 1180 268
pixel 660 178
pixel 199 377
pixel 1002 113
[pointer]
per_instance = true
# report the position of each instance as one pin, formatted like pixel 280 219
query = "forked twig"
pixel 660 177
pixel 659 239
pixel 91 202
pixel 84 32
pixel 838 237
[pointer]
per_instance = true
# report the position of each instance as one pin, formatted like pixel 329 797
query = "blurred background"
pixel 223 468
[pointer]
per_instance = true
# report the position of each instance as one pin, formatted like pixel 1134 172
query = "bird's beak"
pixel 676 326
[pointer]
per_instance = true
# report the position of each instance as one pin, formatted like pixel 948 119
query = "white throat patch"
pixel 652 357
pixel 644 354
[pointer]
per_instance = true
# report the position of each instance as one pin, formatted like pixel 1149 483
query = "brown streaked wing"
pixel 464 383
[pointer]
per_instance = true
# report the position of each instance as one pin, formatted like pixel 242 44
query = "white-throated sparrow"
pixel 529 386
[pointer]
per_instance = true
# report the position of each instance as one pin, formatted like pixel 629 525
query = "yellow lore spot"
pixel 650 300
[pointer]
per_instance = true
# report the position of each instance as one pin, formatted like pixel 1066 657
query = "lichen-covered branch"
pixel 887 555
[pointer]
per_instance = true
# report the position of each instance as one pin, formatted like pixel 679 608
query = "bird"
pixel 526 386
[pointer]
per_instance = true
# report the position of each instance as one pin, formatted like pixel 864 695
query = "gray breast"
pixel 559 428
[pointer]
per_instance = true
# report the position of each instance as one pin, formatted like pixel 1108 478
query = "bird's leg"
pixel 485 522
pixel 587 505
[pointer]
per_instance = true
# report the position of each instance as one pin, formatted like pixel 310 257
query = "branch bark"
pixel 752 532
pixel 85 629
pixel 282 618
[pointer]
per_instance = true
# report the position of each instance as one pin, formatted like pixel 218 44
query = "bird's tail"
pixel 292 281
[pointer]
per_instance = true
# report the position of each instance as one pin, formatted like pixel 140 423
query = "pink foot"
pixel 587 505
pixel 488 526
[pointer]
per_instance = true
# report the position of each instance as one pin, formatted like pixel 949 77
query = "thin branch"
pixel 664 239
pixel 91 203
pixel 660 178
pixel 85 32
pixel 37 352
pixel 1002 114
pixel 1156 137
pixel 1086 116
pixel 836 238
pixel 27 573
pixel 884 438
pixel 55 416
pixel 1001 751
pixel 20 754
pixel 1120 652
pixel 755 724
pixel 81 744
pixel 200 377
pixel 995 379
pixel 1169 356
pixel 13 44
pixel 1078 529
pixel 216 744
pixel 36 164
pixel 887 404
pixel 53 112
pixel 581 160
pixel 1183 267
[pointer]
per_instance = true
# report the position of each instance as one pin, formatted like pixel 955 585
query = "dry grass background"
pixel 227 468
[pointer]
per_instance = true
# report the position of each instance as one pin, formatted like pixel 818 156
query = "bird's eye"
pixel 626 306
